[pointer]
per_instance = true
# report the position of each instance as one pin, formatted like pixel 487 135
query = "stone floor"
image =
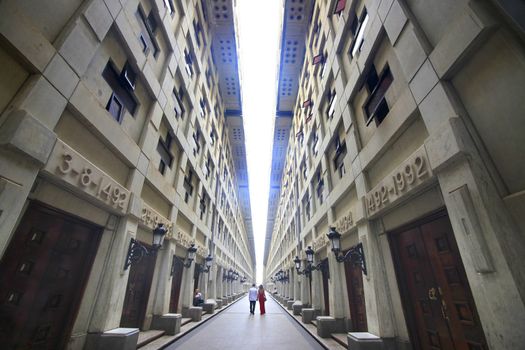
pixel 236 328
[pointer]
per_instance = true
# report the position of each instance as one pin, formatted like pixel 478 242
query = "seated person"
pixel 197 299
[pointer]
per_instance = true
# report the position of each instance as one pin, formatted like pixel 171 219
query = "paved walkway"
pixel 236 329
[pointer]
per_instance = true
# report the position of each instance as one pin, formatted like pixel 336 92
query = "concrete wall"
pixel 456 101
pixel 53 101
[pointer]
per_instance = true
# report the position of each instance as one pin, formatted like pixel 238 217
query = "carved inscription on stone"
pixel 151 219
pixel 183 239
pixel 345 223
pixel 410 174
pixel 74 169
pixel 320 242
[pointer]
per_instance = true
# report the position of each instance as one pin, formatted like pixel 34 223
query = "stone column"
pixel 336 293
pixel 219 287
pixel 289 285
pixel 306 298
pixel 165 258
pixel 378 305
pixel 317 281
pixel 188 281
pixel 297 285
pixel 163 286
pixel 212 282
pixel 114 280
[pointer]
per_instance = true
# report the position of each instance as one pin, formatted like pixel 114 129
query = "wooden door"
pixel 325 277
pixel 356 296
pixel 196 276
pixel 42 278
pixel 137 290
pixel 436 295
pixel 176 280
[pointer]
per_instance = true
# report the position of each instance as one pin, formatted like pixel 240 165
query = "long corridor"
pixel 236 328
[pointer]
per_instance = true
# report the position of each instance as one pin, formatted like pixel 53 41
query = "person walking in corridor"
pixel 252 296
pixel 261 296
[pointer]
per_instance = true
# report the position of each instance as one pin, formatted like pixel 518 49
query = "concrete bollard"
pixel 325 326
pixel 297 307
pixel 309 315
pixel 209 306
pixel 118 338
pixel 364 341
pixel 195 313
pixel 170 323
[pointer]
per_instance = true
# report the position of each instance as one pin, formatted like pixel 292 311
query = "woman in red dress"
pixel 262 299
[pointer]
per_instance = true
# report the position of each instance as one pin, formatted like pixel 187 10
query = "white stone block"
pixel 395 22
pixel 79 47
pixel 99 18
pixel 32 45
pixel 410 51
pixel 424 80
pixel 60 74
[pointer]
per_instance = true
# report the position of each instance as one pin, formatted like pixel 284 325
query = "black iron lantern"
pixel 207 264
pixel 136 250
pixel 309 255
pixel 158 235
pixel 355 254
pixel 209 261
pixel 191 255
pixel 297 263
pixel 335 240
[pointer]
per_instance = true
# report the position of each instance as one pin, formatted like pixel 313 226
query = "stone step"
pixel 185 321
pixel 341 338
pixel 146 337
pixel 159 343
pixel 314 322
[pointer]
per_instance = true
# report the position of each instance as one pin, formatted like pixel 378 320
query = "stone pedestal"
pixel 309 315
pixel 115 339
pixel 219 303
pixel 297 307
pixel 170 323
pixel 364 341
pixel 195 313
pixel 209 306
pixel 325 326
pixel 289 304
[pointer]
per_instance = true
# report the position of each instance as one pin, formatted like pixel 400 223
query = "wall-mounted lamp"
pixel 230 275
pixel 356 254
pixel 309 264
pixel 282 276
pixel 136 250
pixel 191 255
pixel 207 264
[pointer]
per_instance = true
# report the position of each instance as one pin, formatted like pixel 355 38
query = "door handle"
pixel 444 310
pixel 432 294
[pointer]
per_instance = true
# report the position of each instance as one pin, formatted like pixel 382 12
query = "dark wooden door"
pixel 42 278
pixel 325 277
pixel 356 296
pixel 436 294
pixel 137 291
pixel 196 276
pixel 176 280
